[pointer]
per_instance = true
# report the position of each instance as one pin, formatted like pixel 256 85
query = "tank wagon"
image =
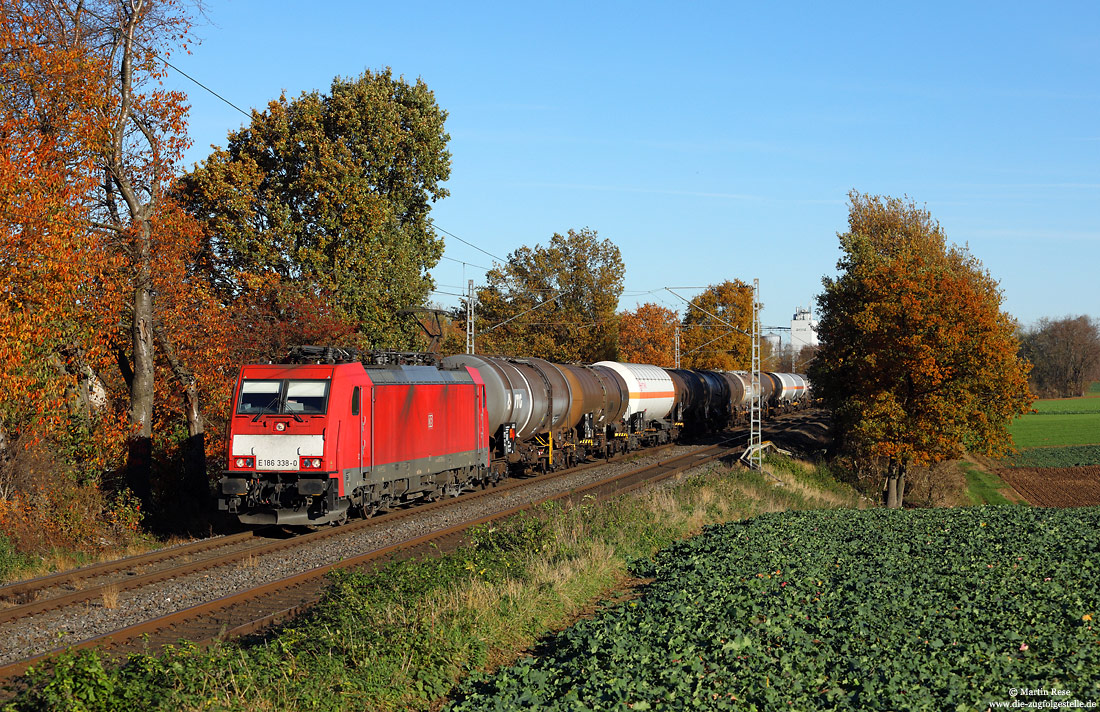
pixel 333 433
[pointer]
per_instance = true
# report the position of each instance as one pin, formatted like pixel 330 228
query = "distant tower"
pixel 775 342
pixel 803 329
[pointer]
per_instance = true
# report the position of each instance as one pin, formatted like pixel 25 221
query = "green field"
pixel 935 609
pixel 1056 430
pixel 1088 404
pixel 1073 456
pixel 1059 422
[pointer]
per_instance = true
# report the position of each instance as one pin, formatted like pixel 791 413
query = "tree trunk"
pixel 900 484
pixel 894 476
pixel 141 387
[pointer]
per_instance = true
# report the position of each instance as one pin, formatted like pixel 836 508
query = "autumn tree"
pixel 331 193
pixel 715 323
pixel 1065 355
pixel 49 114
pixel 556 302
pixel 648 335
pixel 916 358
pixel 122 134
pixel 100 306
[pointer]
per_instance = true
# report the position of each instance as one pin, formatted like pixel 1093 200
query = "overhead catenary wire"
pixel 713 316
pixel 548 301
pixel 168 64
pixel 470 244
pixel 464 262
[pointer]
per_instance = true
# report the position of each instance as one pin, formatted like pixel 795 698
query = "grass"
pixel 1056 430
pixel 1086 404
pixel 983 487
pixel 400 638
pixel 18 566
pixel 1059 422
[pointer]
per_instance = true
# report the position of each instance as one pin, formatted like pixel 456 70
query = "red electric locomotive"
pixel 309 442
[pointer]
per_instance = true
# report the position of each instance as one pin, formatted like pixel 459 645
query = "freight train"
pixel 332 433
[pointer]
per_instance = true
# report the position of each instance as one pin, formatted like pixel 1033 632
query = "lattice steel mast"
pixel 756 457
pixel 470 318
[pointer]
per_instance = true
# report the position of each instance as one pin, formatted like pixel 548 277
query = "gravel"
pixel 37 634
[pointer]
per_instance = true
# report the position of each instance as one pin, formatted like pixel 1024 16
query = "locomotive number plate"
pixel 274 463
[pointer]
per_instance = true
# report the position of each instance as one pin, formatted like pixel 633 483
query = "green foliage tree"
pixel 707 338
pixel 332 191
pixel 556 302
pixel 917 360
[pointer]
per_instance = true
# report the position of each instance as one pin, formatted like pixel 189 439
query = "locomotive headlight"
pixel 316 462
pixel 239 462
pixel 280 427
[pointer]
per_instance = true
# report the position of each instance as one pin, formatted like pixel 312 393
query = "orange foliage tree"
pixel 648 335
pixel 48 262
pixel 917 360
pixel 94 252
pixel 713 333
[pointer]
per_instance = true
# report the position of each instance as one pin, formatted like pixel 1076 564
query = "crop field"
pixel 1056 486
pixel 1088 404
pixel 1073 456
pixel 945 609
pixel 1056 429
pixel 1060 422
pixel 1059 461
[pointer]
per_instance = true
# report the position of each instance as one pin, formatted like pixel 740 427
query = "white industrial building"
pixel 803 329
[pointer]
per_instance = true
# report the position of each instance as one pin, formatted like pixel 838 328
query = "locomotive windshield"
pixel 283 397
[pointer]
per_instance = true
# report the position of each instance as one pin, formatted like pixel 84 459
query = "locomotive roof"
pixel 416 374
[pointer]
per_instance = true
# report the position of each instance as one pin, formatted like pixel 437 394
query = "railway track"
pixel 55 591
pixel 251 610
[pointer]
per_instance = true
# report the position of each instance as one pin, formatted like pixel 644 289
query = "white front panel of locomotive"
pixel 278 452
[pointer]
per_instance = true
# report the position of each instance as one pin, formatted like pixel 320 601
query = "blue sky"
pixel 712 141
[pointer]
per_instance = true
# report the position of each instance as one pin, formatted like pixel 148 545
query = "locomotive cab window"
pixel 283 397
pixel 259 397
pixel 306 397
pixel 355 401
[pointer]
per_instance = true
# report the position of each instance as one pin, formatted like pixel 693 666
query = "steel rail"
pixel 30 591
pixel 249 611
pixel 31 588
